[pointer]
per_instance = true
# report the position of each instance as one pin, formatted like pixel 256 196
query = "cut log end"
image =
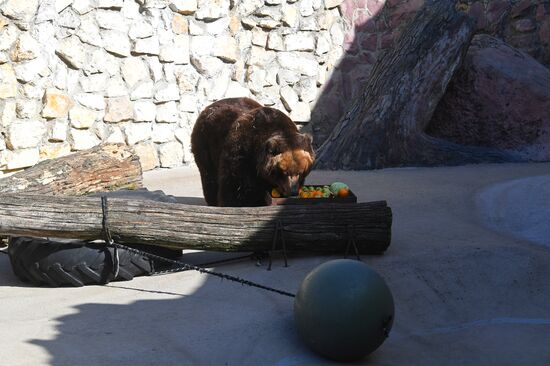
pixel 104 168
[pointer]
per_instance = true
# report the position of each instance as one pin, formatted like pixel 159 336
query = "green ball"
pixel 343 310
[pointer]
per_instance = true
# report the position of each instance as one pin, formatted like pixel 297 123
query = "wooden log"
pixel 320 228
pixel 103 168
pixel 385 126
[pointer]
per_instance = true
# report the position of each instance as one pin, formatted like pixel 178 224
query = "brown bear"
pixel 243 150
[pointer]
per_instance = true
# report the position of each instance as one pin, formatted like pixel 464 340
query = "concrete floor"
pixel 468 266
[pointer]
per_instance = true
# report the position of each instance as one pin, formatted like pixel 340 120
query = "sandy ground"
pixel 468 266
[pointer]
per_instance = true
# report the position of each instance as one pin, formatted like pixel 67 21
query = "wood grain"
pixel 319 228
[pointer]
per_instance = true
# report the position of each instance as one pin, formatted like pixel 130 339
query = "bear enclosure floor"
pixel 468 267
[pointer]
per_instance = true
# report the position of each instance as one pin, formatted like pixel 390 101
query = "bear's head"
pixel 287 156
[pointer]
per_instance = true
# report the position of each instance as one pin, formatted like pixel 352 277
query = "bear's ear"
pixel 274 144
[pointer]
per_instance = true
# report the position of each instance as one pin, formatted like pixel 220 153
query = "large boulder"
pixel 500 98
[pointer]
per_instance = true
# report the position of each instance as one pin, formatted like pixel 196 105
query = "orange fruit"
pixel 343 192
pixel 275 193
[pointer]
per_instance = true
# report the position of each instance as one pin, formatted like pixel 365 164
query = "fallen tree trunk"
pixel 321 228
pixel 385 126
pixel 103 168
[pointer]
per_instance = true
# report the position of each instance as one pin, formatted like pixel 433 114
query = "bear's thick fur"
pixel 243 150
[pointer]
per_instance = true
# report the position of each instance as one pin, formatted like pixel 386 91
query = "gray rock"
pixel 22 134
pixel 7 113
pixel 167 113
pixel 289 16
pixel 8 35
pixel 188 103
pixel 147 154
pixel 163 132
pixel 136 132
pixel 201 45
pixel 20 10
pixel 22 158
pixel 116 136
pixel 93 101
pixel 31 70
pixel 184 6
pixel 273 12
pixel 141 29
pixel 212 10
pixel 225 47
pixel 93 83
pixel 275 42
pixel 133 70
pixel 73 52
pixel 155 69
pixel 304 63
pixel 88 32
pixel 220 84
pixel 323 44
pixel 60 5
pixel 236 90
pixel 58 131
pixel 246 8
pixel 165 92
pixel 81 117
pixel 260 57
pixel 8 81
pixel 68 18
pixel 255 77
pixel 329 4
pixel 82 139
pixel 301 41
pixel 217 27
pixel 115 87
pixel 25 48
pixel 301 112
pixel 181 47
pixel 307 89
pixel 187 78
pixel 148 46
pixel 144 110
pixel 289 97
pixel 107 19
pixel 337 33
pixel 27 109
pixel 83 6
pixel 309 24
pixel 118 109
pixel 109 4
pixel 144 89
pixel 207 65
pixel 306 8
pixel 170 154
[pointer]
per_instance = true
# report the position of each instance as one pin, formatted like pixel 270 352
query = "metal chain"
pixel 184 267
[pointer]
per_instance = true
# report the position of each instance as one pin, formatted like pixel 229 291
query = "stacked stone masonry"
pixel 76 73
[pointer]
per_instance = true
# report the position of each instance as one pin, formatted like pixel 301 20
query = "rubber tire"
pixel 76 263
pixel 62 262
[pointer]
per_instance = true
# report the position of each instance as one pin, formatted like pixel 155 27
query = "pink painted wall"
pixel 373 25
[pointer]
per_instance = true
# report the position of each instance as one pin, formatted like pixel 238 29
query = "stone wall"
pixel 77 73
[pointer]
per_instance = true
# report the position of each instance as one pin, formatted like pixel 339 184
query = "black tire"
pixel 61 262
pixel 77 263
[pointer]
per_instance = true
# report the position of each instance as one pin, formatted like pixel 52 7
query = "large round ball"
pixel 344 310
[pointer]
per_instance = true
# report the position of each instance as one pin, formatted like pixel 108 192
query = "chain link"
pixel 185 267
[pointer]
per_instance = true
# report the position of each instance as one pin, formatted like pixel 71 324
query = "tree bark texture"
pixel 103 168
pixel 321 228
pixel 385 126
